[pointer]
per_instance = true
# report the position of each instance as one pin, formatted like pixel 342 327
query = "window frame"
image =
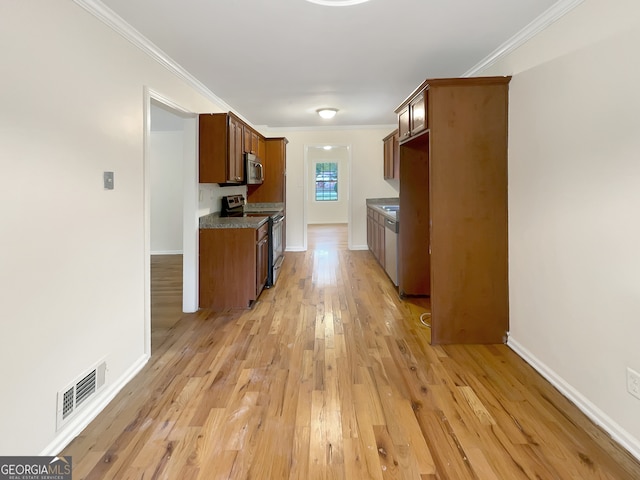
pixel 326 194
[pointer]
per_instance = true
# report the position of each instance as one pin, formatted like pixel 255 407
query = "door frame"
pixel 190 207
pixel 305 188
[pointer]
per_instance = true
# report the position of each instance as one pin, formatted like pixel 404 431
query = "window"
pixel 326 181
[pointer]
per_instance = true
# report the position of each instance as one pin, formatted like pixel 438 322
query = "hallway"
pixel 331 375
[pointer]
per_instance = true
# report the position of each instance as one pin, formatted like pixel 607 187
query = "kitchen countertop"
pixel 214 220
pixel 261 207
pixel 376 204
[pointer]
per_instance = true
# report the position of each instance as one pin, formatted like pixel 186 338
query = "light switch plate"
pixel 108 180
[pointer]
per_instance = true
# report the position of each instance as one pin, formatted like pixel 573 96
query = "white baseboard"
pixel 358 247
pixel 619 434
pixel 167 252
pixel 295 249
pixel 85 417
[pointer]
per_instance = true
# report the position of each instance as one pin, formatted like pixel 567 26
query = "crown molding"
pixel 329 128
pixel 552 14
pixel 115 22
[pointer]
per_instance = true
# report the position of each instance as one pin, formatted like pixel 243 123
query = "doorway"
pixel 171 202
pixel 327 186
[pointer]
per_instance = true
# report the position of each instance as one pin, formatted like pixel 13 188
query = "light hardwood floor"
pixel 166 296
pixel 331 376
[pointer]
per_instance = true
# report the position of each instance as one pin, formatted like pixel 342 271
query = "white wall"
pixel 167 192
pixel 574 198
pixel 319 212
pixel 73 254
pixel 366 177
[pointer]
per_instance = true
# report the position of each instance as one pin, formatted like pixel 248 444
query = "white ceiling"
pixel 276 61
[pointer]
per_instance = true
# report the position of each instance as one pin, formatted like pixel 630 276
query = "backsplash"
pixel 210 195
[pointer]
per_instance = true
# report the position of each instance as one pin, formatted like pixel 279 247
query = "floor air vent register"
pixel 72 398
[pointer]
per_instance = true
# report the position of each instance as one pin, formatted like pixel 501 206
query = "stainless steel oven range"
pixel 235 206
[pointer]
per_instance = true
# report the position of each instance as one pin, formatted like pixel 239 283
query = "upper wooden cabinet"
pixel 251 141
pixel 412 115
pixel 273 188
pixel 418 112
pixel 221 148
pixel 391 148
pixel 261 147
pixel 453 206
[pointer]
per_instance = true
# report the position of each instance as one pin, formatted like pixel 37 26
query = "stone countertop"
pixel 383 201
pixel 214 220
pixel 376 203
pixel 260 207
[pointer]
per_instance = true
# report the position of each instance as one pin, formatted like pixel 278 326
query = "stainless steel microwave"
pixel 254 169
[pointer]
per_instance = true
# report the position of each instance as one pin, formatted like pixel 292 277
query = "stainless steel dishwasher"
pixel 391 249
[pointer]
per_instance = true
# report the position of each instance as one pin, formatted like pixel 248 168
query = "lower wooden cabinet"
pixel 234 266
pixel 375 234
pixel 262 258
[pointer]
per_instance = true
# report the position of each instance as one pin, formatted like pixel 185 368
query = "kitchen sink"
pixel 390 208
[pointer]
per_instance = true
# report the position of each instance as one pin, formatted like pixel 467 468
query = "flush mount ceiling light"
pixel 327 112
pixel 337 3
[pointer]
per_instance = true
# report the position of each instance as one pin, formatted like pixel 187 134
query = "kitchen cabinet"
pixel 412 116
pixel 236 155
pixel 221 148
pixel 391 150
pixel 376 235
pixel 251 143
pixel 233 266
pixel 273 188
pixel 262 257
pixel 453 206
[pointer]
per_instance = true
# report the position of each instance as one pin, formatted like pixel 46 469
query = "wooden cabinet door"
pixel 391 156
pixel 262 148
pixel 418 113
pixel 227 268
pixel 235 166
pixel 251 141
pixel 246 140
pixel 254 142
pixel 396 156
pixel 404 129
pixel 388 158
pixel 262 263
pixel 380 232
pixel 213 147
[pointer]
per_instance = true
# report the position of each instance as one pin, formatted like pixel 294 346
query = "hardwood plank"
pixel 331 375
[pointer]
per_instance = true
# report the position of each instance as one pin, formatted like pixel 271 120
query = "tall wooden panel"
pixel 468 187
